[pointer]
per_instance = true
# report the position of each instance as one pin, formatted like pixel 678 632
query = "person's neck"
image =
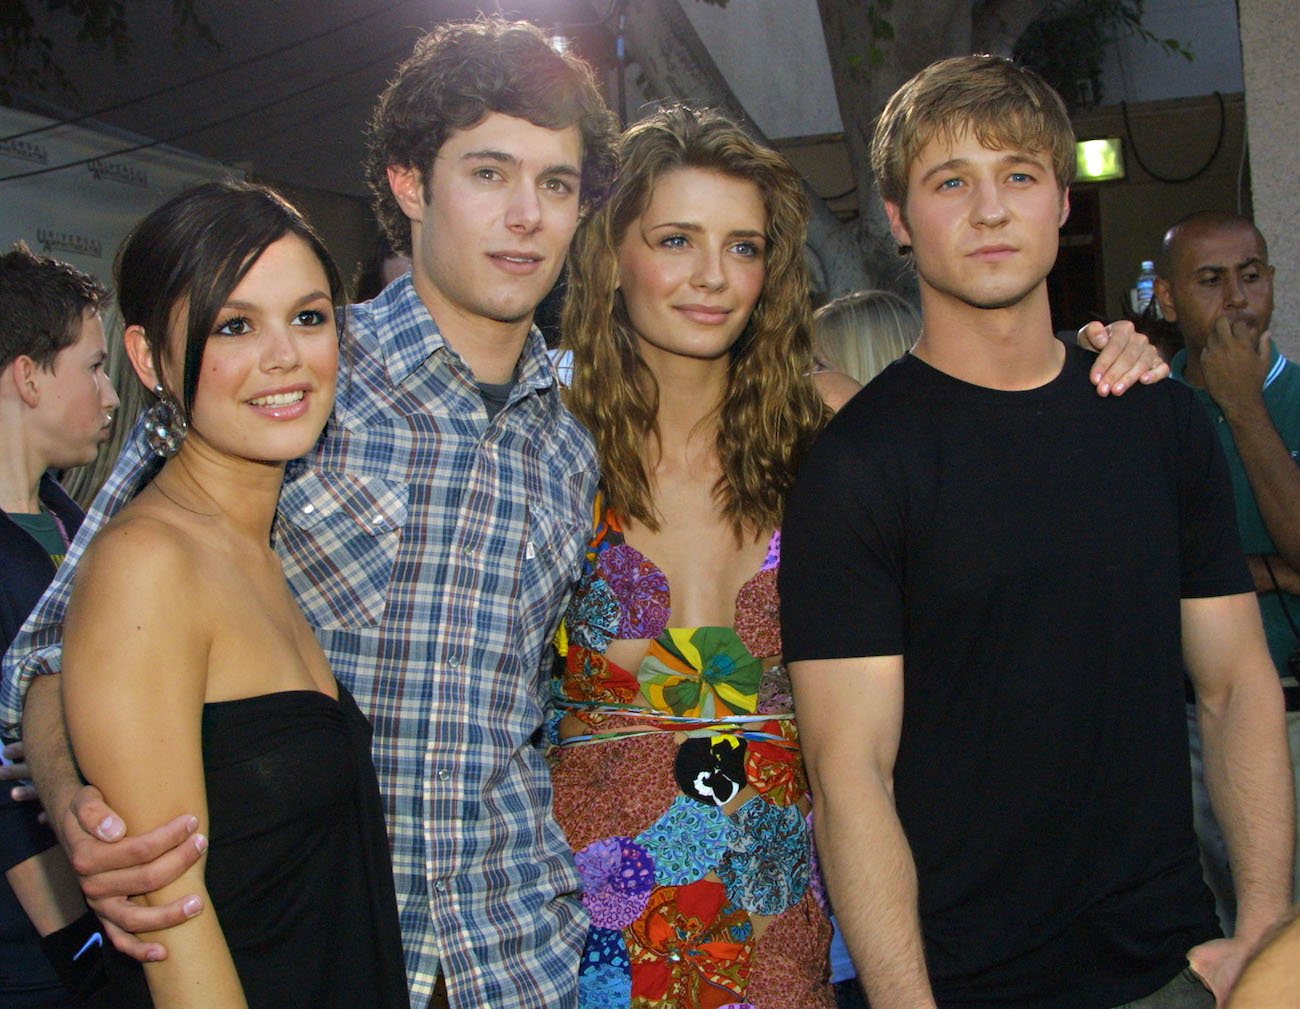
pixel 1193 370
pixel 690 394
pixel 20 474
pixel 491 348
pixel 239 495
pixel 1008 349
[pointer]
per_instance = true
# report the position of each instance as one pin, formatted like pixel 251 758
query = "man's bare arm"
pixel 1247 769
pixel 1235 363
pixel 111 869
pixel 850 716
pixel 1288 579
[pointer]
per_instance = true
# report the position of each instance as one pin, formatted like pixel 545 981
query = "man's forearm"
pixel 872 882
pixel 1273 475
pixel 1276 569
pixel 45 736
pixel 1248 774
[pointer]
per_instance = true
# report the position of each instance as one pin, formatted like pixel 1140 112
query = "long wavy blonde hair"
pixel 770 411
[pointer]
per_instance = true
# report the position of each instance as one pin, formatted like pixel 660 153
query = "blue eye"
pixel 750 250
pixel 674 241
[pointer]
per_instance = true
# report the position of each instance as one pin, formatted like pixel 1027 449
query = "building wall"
pixel 1269 29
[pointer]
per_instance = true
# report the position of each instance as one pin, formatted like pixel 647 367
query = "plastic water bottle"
pixel 1146 286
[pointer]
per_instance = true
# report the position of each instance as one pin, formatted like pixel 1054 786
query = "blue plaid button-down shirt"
pixel 432 551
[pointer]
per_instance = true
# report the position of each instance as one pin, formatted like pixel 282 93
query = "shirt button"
pixel 308 508
pixel 443 774
pixel 440 886
pixel 378 520
pixel 454 662
pixel 469 551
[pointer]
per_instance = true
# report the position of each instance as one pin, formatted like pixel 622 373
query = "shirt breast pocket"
pixel 338 536
pixel 555 541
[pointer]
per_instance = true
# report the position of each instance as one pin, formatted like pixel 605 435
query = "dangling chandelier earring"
pixel 165 426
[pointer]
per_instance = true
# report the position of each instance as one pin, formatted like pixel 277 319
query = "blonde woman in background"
pixel 857 335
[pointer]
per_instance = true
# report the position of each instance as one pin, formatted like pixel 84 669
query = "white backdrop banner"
pixel 81 213
pixel 73 193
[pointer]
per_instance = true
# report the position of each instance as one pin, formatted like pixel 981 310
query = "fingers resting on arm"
pixel 112 868
pixel 14 768
pixel 1125 357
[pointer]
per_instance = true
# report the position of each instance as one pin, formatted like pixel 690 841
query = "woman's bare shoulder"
pixel 835 387
pixel 140 562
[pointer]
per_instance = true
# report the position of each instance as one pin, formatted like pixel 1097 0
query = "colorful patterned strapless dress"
pixel 680 786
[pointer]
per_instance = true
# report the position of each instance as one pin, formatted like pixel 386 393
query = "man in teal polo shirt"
pixel 1214 280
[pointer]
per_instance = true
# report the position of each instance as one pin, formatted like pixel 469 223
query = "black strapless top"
pixel 298 870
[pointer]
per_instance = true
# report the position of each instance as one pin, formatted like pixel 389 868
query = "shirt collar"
pixel 408 336
pixel 1178 366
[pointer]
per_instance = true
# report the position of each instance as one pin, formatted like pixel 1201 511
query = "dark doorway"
pixel 1075 285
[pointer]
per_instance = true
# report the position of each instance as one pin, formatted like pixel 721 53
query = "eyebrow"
pixel 248 306
pixel 694 228
pixel 505 158
pixel 1244 264
pixel 1018 158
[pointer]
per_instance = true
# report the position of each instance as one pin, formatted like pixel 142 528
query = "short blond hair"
pixel 860 334
pixel 1004 105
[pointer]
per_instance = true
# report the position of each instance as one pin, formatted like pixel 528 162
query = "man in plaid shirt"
pixel 431 537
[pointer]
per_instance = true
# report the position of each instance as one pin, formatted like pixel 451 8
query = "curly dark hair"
pixel 460 73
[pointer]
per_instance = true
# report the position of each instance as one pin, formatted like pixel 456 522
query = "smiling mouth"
pixel 279 399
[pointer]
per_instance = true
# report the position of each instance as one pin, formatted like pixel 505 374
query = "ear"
pixel 898 223
pixel 137 349
pixel 23 373
pixel 407 184
pixel 1165 296
pixel 1065 208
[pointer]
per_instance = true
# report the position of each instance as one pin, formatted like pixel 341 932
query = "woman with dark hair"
pixel 191 680
pixel 677 777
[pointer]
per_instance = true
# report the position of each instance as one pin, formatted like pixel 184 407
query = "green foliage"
pixel 27 53
pixel 1067 43
pixel 861 64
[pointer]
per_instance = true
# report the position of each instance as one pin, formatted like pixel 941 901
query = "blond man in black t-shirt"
pixel 993 732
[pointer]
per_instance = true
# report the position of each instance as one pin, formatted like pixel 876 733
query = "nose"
pixel 524 212
pixel 107 394
pixel 1234 291
pixel 708 273
pixel 280 351
pixel 988 207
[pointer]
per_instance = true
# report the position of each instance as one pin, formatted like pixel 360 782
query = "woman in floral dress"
pixel 677 771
